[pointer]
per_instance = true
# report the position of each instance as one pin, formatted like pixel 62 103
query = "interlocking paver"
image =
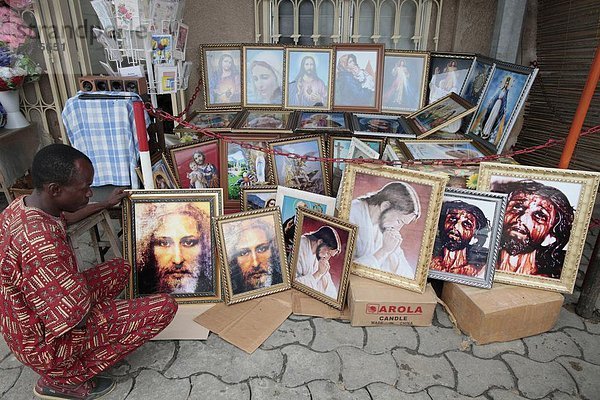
pixel 435 340
pixel 444 393
pixel 475 375
pixel 331 334
pixel 491 350
pixel 548 346
pixel 585 374
pixel 568 318
pixel 503 394
pixel 151 385
pixel 9 379
pixel 152 355
pixel 124 386
pixel 359 369
pixel 417 372
pixel 381 339
pixel 536 380
pixel 387 392
pixel 442 317
pixel 290 332
pixel 304 365
pixel 267 389
pixel 590 344
pixel 206 386
pixel 229 363
pixel 329 390
pixel 23 387
pixel 593 327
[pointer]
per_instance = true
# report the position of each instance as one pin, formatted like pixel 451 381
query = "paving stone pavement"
pixel 315 358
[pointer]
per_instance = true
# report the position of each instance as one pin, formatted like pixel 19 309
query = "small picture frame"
pixel 251 254
pixel 161 173
pixel 243 165
pixel 323 246
pixel 468 237
pixel 288 200
pixel 299 173
pixel 309 78
pixel 358 77
pixel 265 121
pixel 221 69
pixel 382 125
pixel 215 121
pixel 161 223
pixel 439 114
pixel 396 211
pixel 442 149
pixel 545 223
pixel 323 122
pixel 262 72
pixel 181 41
pixel 196 165
pixel 258 197
pixel 404 81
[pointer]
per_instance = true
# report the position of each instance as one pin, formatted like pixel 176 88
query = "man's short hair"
pixel 55 164
pixel 401 196
pixel 328 235
pixel 475 211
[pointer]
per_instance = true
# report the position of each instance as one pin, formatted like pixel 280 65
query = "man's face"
pixel 254 258
pixel 459 228
pixel 528 220
pixel 394 219
pixel 177 250
pixel 309 66
pixel 76 194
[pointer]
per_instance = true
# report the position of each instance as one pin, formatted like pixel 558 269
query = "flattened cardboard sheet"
pixel 183 327
pixel 303 304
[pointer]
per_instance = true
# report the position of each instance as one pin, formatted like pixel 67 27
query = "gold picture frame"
pixel 251 254
pixel 298 93
pixel 541 256
pixel 397 212
pixel 439 114
pixel 322 230
pixel 221 69
pixel 258 197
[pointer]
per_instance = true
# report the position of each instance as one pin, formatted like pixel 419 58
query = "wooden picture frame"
pixel 246 236
pixel 442 149
pixel 206 174
pixel 300 173
pixel 407 205
pixel 258 197
pixel 545 224
pixel 323 122
pixel 439 114
pixel 336 247
pixel 221 70
pixel 262 75
pixel 155 223
pixel 265 121
pixel 309 78
pixel 503 98
pixel 358 77
pixel 243 167
pixel 404 81
pixel 468 237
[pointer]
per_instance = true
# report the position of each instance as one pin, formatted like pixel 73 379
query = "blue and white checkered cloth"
pixel 104 130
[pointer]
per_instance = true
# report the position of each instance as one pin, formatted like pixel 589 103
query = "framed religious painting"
pixel 358 77
pixel 381 125
pixel 289 200
pixel 221 69
pixel 439 114
pixel 323 122
pixel 309 77
pixel 404 81
pixel 478 75
pixel 339 147
pixel 468 237
pixel 322 259
pixel 298 172
pixel 465 150
pixel 214 121
pixel 545 223
pixel 393 155
pixel 196 165
pixel 265 121
pixel 502 100
pixel 170 245
pixel 161 173
pixel 262 72
pixel 243 165
pixel 447 74
pixel 396 212
pixel 251 253
pixel 257 197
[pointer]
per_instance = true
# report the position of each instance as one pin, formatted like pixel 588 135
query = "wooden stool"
pixel 90 224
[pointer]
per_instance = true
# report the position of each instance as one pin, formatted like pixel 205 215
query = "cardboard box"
pixel 303 304
pixel 373 304
pixel 183 326
pixel 248 324
pixel 502 313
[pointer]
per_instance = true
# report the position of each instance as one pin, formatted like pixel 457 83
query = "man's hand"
pixel 115 197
